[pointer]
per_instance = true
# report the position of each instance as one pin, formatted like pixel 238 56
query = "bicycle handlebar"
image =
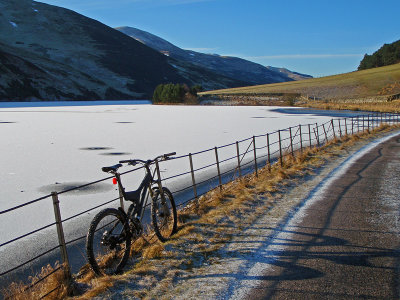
pixel 150 161
pixel 165 156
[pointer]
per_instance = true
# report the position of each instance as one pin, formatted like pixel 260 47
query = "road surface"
pixel 347 245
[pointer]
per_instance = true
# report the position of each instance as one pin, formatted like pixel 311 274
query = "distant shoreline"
pixel 72 103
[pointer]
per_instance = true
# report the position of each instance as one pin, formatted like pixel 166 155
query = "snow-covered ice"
pixel 53 147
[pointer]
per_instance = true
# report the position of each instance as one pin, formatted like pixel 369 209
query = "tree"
pixel 388 54
pixel 175 93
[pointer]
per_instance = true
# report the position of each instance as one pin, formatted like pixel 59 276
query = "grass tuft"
pixel 46 282
pixel 153 251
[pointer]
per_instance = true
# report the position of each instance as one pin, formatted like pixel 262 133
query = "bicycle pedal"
pixel 137 227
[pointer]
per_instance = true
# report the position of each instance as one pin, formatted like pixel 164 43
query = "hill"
pixel 388 54
pixel 233 67
pixel 52 53
pixel 372 83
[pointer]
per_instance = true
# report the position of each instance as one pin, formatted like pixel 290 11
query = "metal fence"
pixel 217 166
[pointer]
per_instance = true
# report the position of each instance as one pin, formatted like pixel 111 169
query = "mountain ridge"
pixel 52 53
pixel 229 66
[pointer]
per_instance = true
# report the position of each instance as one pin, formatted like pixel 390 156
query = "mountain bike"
pixel 111 231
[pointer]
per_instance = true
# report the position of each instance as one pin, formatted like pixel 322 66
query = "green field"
pixel 358 84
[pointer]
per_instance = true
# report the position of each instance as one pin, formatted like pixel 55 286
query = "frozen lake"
pixel 48 147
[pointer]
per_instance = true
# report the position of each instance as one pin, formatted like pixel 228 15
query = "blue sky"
pixel 313 37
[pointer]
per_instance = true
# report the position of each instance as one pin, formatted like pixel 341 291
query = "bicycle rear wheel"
pixel 163 213
pixel 108 242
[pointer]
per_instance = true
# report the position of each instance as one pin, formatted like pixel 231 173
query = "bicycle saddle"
pixel 113 168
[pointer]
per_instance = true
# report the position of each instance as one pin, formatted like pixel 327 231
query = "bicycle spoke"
pixel 108 242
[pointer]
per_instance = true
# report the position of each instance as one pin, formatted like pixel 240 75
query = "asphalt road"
pixel 347 245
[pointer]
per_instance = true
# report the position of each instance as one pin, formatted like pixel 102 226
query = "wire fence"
pixel 208 169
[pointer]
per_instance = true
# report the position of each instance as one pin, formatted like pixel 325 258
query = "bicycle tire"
pixel 108 242
pixel 164 216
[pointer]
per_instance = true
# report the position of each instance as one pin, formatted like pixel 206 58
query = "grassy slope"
pixel 366 83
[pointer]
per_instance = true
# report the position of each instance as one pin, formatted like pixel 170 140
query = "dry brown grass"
pixel 153 251
pixel 391 106
pixel 98 285
pixel 54 282
pixel 367 84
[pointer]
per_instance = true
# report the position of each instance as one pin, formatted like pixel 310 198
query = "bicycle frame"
pixel 141 195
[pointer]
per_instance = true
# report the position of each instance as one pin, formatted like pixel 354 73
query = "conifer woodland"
pixel 388 54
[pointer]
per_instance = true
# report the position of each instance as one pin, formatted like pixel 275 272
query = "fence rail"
pixel 241 158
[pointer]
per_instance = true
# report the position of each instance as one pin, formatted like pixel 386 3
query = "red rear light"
pixel 114 180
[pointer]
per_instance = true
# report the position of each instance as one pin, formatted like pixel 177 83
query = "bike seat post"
pixel 120 190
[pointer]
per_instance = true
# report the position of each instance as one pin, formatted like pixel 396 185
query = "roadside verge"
pixel 206 249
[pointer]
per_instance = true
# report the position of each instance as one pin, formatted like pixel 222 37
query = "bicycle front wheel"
pixel 108 242
pixel 163 213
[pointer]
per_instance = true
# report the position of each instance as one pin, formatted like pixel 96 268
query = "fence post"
pixel 309 134
pixel 326 136
pixel 352 126
pixel 238 158
pixel 269 153
pixel 193 179
pixel 301 139
pixel 255 155
pixel 345 125
pixel 218 169
pixel 358 124
pixel 340 128
pixel 363 127
pixel 373 121
pixel 280 147
pixel 61 237
pixel 291 140
pixel 333 128
pixel 368 123
pixel 317 134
